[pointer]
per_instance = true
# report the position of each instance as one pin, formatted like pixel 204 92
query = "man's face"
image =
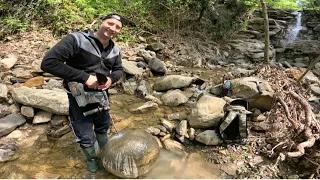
pixel 110 27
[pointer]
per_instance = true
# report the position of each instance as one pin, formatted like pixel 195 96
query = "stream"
pixel 40 156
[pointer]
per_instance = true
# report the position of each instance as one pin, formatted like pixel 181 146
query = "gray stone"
pixel 7 152
pixel 208 112
pixel 147 106
pixel 157 66
pixel 131 67
pixel 174 146
pixel 58 120
pixel 48 100
pixel 42 117
pixel 4 110
pixel 157 46
pixel 173 82
pixel 27 111
pixel 10 123
pixel 146 54
pixel 209 137
pixel 181 128
pixel 174 98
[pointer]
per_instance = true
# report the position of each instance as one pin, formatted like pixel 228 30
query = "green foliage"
pixel 152 16
pixel 283 4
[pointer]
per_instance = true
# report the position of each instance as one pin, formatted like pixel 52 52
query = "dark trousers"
pixel 85 126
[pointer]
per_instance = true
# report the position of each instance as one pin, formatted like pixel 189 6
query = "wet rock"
pixel 7 151
pixel 27 111
pixel 4 110
pixel 34 82
pixel 153 99
pixel 181 129
pixel 168 124
pixel 130 154
pixel 153 130
pixel 208 112
pixel 10 122
pixel 131 67
pixel 130 87
pixel 209 137
pixel 175 147
pixel 57 133
pixel 173 82
pixel 48 100
pixel 157 66
pixel 174 98
pixel 142 89
pixel 162 128
pixel 177 116
pixel 122 125
pixel 144 108
pixel 165 137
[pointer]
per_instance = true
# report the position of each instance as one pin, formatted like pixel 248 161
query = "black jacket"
pixel 80 54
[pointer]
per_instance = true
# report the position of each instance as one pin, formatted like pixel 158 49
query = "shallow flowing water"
pixel 42 157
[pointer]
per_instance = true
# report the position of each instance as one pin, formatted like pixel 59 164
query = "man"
pixel 77 57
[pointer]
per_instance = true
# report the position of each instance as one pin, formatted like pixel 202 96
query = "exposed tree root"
pixel 293 113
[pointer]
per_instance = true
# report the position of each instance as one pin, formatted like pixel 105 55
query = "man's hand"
pixel 106 85
pixel 92 82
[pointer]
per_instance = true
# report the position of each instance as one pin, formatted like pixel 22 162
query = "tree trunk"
pixel 266 31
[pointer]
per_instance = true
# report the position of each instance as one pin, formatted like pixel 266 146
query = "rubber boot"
pixel 102 140
pixel 92 160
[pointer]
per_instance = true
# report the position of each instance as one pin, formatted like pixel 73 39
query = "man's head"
pixel 111 26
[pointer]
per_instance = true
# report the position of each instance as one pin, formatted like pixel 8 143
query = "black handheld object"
pixel 102 79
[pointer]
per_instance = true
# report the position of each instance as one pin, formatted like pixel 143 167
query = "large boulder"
pixel 130 153
pixel 174 82
pixel 208 112
pixel 52 101
pixel 247 89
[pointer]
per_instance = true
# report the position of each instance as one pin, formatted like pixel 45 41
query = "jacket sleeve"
pixel 117 70
pixel 54 62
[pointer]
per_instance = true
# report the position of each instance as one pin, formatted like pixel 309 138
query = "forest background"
pixel 217 18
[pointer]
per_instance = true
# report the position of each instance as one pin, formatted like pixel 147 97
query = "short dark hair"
pixel 114 16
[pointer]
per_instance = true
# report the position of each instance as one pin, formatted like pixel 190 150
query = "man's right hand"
pixel 92 82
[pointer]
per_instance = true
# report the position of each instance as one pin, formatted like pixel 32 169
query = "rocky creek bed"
pixel 171 89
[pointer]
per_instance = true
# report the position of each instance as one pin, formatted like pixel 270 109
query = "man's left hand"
pixel 106 85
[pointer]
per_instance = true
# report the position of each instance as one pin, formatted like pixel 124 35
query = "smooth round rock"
pixel 131 153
